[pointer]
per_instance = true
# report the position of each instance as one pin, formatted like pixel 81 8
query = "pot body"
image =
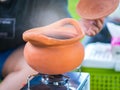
pixel 54 59
pixel 56 48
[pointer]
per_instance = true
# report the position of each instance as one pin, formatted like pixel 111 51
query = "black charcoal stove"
pixel 67 81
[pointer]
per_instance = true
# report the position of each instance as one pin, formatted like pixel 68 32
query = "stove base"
pixel 77 81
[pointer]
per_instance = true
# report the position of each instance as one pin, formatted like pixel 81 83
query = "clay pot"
pixel 93 9
pixel 56 48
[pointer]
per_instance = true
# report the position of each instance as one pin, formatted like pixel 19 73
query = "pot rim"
pixel 45 40
pixel 40 35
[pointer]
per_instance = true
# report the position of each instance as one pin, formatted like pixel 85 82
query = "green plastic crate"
pixel 103 79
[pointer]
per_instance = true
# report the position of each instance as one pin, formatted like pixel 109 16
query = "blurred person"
pixel 16 16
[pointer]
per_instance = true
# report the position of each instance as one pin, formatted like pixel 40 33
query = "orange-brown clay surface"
pixel 56 48
pixel 93 9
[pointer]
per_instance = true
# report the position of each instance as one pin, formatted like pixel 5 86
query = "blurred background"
pixel 72 8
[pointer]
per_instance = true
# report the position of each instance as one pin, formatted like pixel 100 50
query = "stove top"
pixel 67 81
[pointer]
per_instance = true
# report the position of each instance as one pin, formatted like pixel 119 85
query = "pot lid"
pixel 93 9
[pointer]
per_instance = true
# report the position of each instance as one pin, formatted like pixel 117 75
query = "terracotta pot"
pixel 93 9
pixel 56 48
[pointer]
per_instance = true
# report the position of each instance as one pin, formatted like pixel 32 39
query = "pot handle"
pixel 73 22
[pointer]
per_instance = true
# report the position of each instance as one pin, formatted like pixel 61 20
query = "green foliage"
pixel 72 8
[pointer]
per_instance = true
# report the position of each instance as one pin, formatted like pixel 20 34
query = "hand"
pixel 92 27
